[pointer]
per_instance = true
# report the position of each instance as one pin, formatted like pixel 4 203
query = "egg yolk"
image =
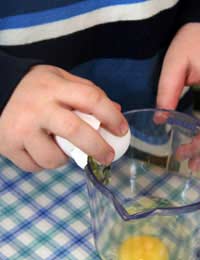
pixel 143 248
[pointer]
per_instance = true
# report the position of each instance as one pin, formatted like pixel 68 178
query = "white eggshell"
pixel 72 151
pixel 89 119
pixel 119 144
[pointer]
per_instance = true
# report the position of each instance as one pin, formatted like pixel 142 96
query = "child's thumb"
pixel 172 80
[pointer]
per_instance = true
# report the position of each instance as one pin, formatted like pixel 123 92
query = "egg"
pixel 120 144
pixel 143 248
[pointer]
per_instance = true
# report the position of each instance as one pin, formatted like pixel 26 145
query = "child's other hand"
pixel 190 152
pixel 181 66
pixel 40 108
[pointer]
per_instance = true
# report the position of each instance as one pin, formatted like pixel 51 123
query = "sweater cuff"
pixel 12 70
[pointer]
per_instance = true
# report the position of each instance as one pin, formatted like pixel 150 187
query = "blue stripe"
pixel 31 19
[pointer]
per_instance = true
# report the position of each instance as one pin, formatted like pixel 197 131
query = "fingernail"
pixel 109 158
pixel 123 128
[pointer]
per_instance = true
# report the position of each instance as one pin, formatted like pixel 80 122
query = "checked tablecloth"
pixel 44 215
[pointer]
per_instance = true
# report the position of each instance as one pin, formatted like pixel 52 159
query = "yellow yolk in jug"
pixel 143 248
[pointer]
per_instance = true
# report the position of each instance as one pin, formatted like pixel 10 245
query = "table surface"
pixel 44 215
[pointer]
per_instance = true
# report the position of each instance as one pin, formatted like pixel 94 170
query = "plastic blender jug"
pixel 146 205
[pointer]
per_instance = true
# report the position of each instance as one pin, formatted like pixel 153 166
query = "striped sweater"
pixel 118 44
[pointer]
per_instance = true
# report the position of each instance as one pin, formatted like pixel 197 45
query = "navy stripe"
pixel 57 14
pixel 13 7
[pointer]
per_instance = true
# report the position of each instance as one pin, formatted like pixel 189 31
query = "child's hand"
pixel 190 152
pixel 40 108
pixel 181 66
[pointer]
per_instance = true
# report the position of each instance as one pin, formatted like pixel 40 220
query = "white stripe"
pixel 136 11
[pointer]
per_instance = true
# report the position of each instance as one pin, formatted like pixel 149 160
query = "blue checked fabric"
pixel 44 216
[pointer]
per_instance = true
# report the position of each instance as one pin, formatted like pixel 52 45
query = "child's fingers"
pixel 44 99
pixel 184 152
pixel 92 100
pixel 22 159
pixel 190 150
pixel 160 117
pixel 117 105
pixel 172 80
pixel 64 123
pixel 72 77
pixel 194 164
pixel 44 150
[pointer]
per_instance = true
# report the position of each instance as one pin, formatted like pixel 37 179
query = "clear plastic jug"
pixel 146 206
